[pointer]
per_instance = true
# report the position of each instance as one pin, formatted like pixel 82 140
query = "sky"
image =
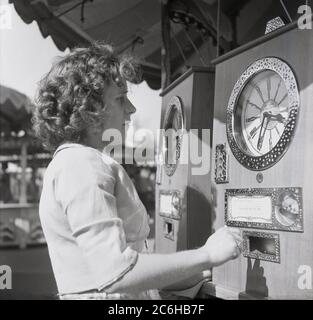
pixel 25 56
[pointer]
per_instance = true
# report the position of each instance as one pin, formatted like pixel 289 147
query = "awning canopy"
pixel 132 25
pixel 15 111
pixel 15 123
pixel 135 26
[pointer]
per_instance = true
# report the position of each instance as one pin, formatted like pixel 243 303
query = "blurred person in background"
pixel 5 185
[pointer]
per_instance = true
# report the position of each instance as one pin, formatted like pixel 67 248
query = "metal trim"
pixel 261 256
pixel 275 194
pixel 272 157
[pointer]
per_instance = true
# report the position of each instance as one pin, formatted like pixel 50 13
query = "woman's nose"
pixel 130 107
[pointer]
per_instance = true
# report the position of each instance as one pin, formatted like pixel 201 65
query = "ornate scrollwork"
pixel 174 109
pixel 274 24
pixel 221 164
pixel 276 153
pixel 254 253
pixel 286 209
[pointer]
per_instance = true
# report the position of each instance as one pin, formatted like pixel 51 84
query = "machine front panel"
pixel 263 158
pixel 177 191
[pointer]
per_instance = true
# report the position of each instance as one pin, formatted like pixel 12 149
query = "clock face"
pixel 262 112
pixel 173 133
pixel 263 109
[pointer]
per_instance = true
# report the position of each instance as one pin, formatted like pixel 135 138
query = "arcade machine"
pixel 183 207
pixel 263 155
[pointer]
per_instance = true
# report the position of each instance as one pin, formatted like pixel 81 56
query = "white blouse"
pixel 92 218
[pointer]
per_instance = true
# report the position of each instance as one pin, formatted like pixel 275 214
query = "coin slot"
pixel 168 229
pixel 262 245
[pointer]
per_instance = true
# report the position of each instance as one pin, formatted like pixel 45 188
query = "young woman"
pixel 94 223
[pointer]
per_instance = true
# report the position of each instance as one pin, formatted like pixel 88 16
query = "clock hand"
pixel 259 140
pixel 263 130
pixel 278 117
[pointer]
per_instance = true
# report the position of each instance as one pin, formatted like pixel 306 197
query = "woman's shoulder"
pixel 81 160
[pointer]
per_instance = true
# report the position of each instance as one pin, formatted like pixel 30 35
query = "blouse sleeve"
pixel 85 190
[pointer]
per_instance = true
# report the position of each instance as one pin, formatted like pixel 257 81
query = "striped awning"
pixel 135 26
pixel 131 26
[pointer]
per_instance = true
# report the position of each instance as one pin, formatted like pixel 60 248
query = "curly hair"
pixel 70 97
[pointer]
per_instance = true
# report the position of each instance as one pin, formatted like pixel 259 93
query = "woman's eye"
pixel 121 99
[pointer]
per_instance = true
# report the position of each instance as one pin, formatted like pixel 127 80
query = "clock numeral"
pixel 254 131
pixel 283 110
pixel 252 119
pixel 278 86
pixel 271 141
pixel 284 97
pixel 257 88
pixel 254 105
pixel 277 131
pixel 269 88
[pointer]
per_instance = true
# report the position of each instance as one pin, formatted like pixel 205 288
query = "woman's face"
pixel 119 108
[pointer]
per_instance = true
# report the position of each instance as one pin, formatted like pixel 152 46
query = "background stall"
pixel 22 244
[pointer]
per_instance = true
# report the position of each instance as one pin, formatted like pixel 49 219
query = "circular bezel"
pixel 258 163
pixel 174 105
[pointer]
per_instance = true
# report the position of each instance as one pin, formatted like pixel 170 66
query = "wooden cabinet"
pixel 183 201
pixel 277 252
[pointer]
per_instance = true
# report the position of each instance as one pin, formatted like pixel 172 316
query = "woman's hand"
pixel 223 245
